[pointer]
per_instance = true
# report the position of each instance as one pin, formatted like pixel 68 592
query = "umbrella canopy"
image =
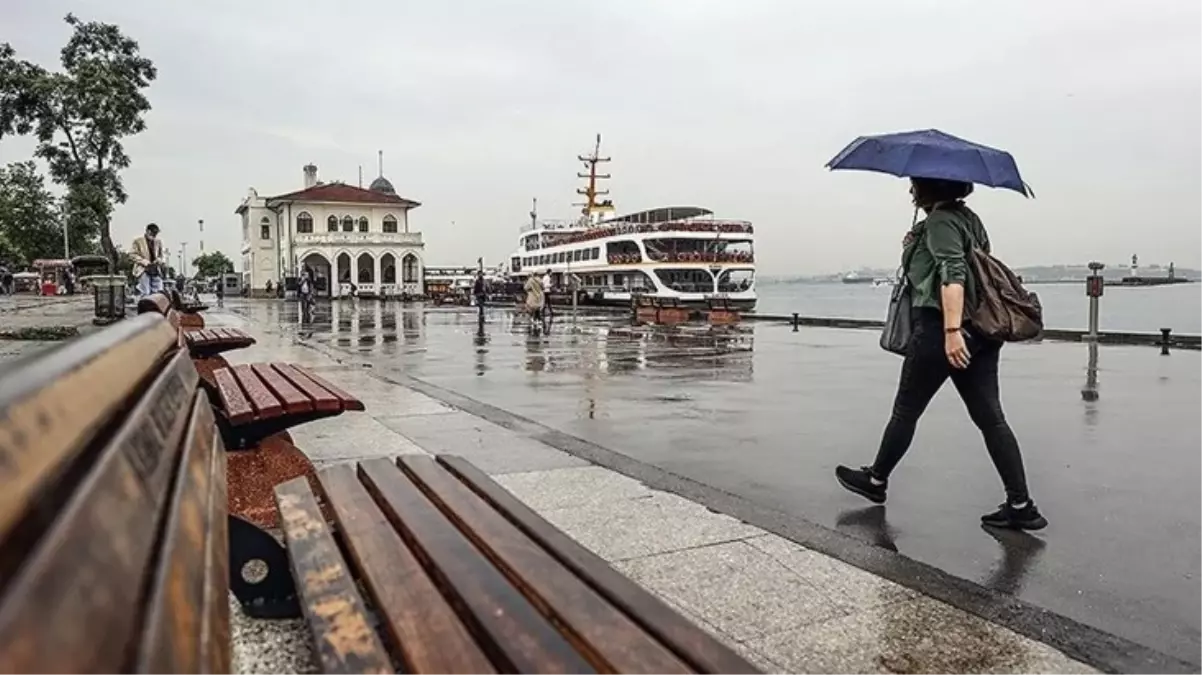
pixel 932 154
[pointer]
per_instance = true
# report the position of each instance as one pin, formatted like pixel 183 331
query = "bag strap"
pixel 908 256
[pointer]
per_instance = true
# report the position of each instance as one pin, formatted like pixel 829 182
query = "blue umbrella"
pixel 932 154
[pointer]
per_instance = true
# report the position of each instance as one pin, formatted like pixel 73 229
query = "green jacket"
pixel 937 254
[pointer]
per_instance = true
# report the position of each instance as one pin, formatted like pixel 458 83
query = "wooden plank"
pixel 348 401
pixel 293 400
pixel 215 639
pixel 322 400
pixel 265 403
pixel 608 638
pixel 76 603
pixel 157 303
pixel 425 629
pixel 235 404
pixel 52 407
pixel 175 622
pixel 693 644
pixel 343 637
pixel 507 626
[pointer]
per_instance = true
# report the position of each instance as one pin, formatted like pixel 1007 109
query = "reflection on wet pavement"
pixel 1111 439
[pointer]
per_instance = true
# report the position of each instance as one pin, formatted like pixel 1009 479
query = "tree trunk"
pixel 106 245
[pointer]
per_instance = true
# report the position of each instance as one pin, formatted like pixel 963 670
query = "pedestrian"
pixel 305 291
pixel 547 285
pixel 479 290
pixel 535 298
pixel 220 290
pixel 147 254
pixel 943 345
pixel 270 289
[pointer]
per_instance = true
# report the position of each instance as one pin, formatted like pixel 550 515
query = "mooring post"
pixel 1093 290
pixel 795 322
pixel 1164 341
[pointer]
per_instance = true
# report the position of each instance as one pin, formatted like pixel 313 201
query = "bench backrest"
pixel 112 516
pixel 164 305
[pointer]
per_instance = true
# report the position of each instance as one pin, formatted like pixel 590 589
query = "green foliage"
pixel 80 116
pixel 29 218
pixel 212 264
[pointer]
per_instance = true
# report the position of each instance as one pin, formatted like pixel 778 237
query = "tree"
pixel 212 264
pixel 81 115
pixel 29 217
pixel 16 93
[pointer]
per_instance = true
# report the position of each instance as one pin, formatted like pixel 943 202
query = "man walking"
pixel 147 254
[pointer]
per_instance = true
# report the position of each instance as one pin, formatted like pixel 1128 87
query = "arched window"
pixel 409 269
pixel 362 224
pixel 388 268
pixel 265 228
pixel 304 223
pixel 348 224
pixel 390 224
pixel 332 223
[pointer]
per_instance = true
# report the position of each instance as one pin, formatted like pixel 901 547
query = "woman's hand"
pixel 956 350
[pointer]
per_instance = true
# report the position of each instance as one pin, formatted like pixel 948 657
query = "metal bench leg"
pixel 268 596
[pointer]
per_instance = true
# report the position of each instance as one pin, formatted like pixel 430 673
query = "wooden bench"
pixel 116 549
pixel 257 400
pixel 463 577
pixel 202 343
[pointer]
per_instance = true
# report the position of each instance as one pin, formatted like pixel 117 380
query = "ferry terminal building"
pixel 349 236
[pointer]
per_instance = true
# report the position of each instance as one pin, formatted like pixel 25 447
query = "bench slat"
pixel 594 625
pixel 51 409
pixel 428 634
pixel 322 400
pixel 233 401
pixel 175 626
pixel 265 403
pixel 215 638
pixel 85 578
pixel 294 401
pixel 701 649
pixel 343 636
pixel 348 401
pixel 514 631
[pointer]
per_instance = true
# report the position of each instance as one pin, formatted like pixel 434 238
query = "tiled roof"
pixel 340 192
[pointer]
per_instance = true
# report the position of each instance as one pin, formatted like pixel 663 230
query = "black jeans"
pixel 924 371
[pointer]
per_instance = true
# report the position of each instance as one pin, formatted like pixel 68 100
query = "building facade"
pixel 355 239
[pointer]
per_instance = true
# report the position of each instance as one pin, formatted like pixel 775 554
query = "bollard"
pixel 1093 290
pixel 795 322
pixel 1164 341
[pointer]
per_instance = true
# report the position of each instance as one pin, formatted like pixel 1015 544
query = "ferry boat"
pixel 679 254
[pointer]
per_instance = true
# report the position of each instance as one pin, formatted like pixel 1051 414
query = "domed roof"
pixel 382 184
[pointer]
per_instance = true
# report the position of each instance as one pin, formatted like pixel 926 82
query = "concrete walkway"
pixel 786 607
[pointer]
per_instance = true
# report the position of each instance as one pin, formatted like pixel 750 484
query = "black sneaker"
pixel 1026 518
pixel 860 482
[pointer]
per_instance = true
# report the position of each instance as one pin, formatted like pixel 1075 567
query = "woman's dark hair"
pixel 930 191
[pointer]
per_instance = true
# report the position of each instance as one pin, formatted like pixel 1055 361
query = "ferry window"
pixel 576 255
pixel 559 257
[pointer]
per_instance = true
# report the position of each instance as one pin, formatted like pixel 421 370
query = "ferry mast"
pixel 591 206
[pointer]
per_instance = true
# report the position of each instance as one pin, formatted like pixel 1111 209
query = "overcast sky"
pixel 481 105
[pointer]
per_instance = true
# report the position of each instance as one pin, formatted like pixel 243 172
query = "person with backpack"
pixel 958 322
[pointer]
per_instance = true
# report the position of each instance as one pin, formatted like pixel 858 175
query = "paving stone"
pixel 352 435
pixel 494 449
pixel 845 585
pixel 736 587
pixel 564 488
pixel 657 523
pixel 918 635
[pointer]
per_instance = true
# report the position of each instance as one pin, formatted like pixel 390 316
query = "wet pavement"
pixel 764 413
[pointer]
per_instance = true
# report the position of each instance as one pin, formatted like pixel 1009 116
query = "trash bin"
pixel 110 298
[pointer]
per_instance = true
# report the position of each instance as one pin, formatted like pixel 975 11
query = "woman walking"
pixel 535 299
pixel 944 345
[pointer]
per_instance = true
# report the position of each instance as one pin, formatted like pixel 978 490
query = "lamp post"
pixel 1093 290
